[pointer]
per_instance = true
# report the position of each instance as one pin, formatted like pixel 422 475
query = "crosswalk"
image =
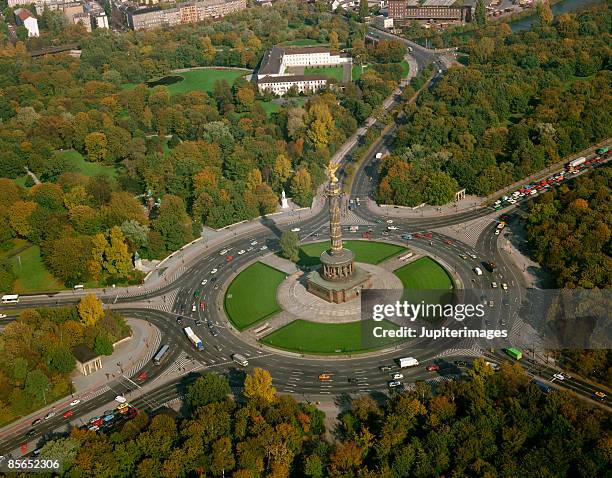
pixel 455 352
pixel 468 232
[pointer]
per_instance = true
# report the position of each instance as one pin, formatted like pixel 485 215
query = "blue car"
pixel 407 236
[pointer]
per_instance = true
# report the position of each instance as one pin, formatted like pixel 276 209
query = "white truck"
pixel 193 338
pixel 408 362
pixel 240 360
pixel 573 165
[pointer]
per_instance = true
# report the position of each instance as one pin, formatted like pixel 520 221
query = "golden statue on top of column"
pixel 331 172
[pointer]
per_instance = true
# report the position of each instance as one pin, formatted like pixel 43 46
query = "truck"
pixel 240 360
pixel 408 362
pixel 516 354
pixel 193 338
pixel 603 150
pixel 573 165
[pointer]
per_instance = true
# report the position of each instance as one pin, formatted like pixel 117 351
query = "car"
pixel 407 236
pixel 504 286
pixel 68 413
pixel 214 271
pixel 432 368
pixel 249 249
pixel 478 271
pixel 263 248
pixel 241 251
pixel 198 322
pixel 2 316
pixel 194 308
pixel 463 256
pixel 394 384
pixel 497 232
pixel 491 303
pixel 219 348
pixel 472 255
pixel 494 285
pixel 295 229
pixel 384 233
pixel 324 377
pixel 392 228
pixel 36 422
pixel 49 415
pixel 253 243
pixel 75 402
pixel 223 252
pixel 448 242
pixel 385 368
pixel 179 320
pixel 216 286
pixel 502 322
pixel 142 376
pixel 389 221
pixel 229 259
pixel 460 363
pixel 599 396
pixel 213 330
pixel 428 235
pixel 559 376
pixel 398 376
pixel 30 433
pixel 120 399
pixel 205 281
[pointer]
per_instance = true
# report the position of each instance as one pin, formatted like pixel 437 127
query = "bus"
pixel 514 353
pixel 10 299
pixel 159 356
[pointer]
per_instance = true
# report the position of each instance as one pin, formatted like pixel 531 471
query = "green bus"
pixel 514 353
pixel 603 150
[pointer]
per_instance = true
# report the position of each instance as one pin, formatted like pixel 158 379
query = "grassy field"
pixel 199 80
pixel 365 251
pixel 424 273
pixel 405 68
pixel 79 164
pixel 269 107
pixel 357 71
pixel 251 297
pixel 334 72
pixel 317 338
pixel 28 267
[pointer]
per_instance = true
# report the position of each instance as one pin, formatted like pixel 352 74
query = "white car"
pixel 194 308
pixel 392 228
pixel 2 316
pixel 389 221
pixel 295 229
pixel 76 401
pixel 504 286
pixel 214 271
pixel 263 248
pixel 120 399
pixel 49 415
pixel 559 376
pixel 472 255
pixel 494 285
pixel 249 249
pixel 205 281
pixel 241 251
pixel 223 252
pixel 254 243
pixel 394 383
pixel 397 376
pixel 478 271
pixel 497 231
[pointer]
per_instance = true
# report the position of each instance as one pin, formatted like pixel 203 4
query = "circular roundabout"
pixel 269 300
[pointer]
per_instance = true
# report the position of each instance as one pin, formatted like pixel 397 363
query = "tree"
pixel 440 189
pixel 117 258
pixel 545 14
pixel 172 222
pixel 290 245
pixel 62 449
pixel 245 98
pixel 60 360
pixel 301 187
pixel 103 345
pixel 37 385
pixel 90 310
pixel 334 44
pixel 20 213
pixel 96 146
pixel 136 233
pixel 480 13
pixel 281 170
pixel 258 387
pixel 209 388
pixel 364 10
pixel 222 456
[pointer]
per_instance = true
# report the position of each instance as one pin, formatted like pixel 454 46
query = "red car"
pixel 417 235
pixel 432 368
pixel 229 259
pixel 202 304
pixel 446 241
pixel 428 235
pixel 142 376
pixel 68 413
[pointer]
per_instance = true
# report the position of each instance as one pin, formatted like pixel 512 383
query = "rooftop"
pixel 83 353
pixel 23 13
pixel 292 78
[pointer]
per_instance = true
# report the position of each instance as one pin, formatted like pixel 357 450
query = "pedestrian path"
pixel 467 232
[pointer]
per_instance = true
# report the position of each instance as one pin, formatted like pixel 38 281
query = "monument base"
pixel 338 291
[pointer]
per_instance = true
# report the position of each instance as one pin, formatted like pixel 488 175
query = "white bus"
pixel 405 257
pixel 159 356
pixel 10 299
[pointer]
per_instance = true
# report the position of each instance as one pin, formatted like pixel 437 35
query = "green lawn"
pixel 269 107
pixel 424 273
pixel 357 71
pixel 405 68
pixel 32 276
pixel 251 297
pixel 79 164
pixel 319 338
pixel 334 72
pixel 199 80
pixel 365 251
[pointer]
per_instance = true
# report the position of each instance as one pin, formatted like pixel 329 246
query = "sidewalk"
pixel 469 203
pixel 132 355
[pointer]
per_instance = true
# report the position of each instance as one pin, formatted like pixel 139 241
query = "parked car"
pixel 432 368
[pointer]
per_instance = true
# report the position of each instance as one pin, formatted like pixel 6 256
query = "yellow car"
pixel 600 396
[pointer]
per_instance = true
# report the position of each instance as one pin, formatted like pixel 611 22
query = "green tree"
pixel 440 188
pixel 37 385
pixel 301 187
pixel 103 345
pixel 480 13
pixel 364 10
pixel 209 388
pixel 172 222
pixel 60 360
pixel 290 246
